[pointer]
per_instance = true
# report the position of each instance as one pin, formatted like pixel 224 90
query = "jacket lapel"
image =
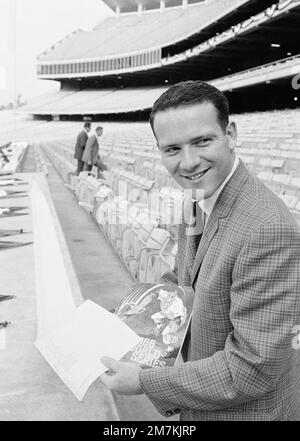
pixel 221 209
pixel 208 234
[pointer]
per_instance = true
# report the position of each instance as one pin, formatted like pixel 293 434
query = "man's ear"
pixel 231 133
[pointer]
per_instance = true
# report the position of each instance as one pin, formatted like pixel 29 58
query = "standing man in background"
pixel 91 155
pixel 81 141
pixel 244 266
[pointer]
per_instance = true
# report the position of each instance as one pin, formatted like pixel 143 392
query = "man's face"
pixel 99 132
pixel 194 148
pixel 88 129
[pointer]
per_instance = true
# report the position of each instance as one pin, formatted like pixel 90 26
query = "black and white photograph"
pixel 149 213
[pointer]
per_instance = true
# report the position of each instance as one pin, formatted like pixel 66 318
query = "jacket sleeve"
pixel 264 309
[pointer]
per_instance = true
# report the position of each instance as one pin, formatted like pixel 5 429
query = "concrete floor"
pixel 100 273
pixel 29 388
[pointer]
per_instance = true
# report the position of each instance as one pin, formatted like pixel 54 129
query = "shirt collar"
pixel 207 205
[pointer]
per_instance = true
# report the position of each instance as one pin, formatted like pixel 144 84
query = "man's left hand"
pixel 122 377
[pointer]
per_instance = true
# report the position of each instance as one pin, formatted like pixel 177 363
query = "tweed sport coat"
pixel 91 150
pixel 246 277
pixel 81 140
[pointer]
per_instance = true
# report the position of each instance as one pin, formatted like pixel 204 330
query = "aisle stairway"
pixel 28 164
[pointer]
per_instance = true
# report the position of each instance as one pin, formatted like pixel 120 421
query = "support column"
pixel 140 8
pixel 162 5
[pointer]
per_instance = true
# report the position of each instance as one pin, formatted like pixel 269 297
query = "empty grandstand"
pixel 114 73
pixel 138 204
pixel 247 48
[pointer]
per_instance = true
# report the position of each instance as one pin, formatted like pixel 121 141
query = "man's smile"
pixel 196 176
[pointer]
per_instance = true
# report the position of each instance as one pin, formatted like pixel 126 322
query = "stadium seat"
pixel 157 239
pixel 155 262
pixel 289 200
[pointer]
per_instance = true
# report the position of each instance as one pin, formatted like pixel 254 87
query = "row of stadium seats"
pixel 65 168
pixel 136 151
pixel 93 101
pixel 146 164
pixel 144 238
pixel 41 167
pixel 141 156
pixel 276 127
pixel 126 100
pixel 139 223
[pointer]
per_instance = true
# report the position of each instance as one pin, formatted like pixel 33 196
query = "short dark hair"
pixel 99 127
pixel 188 93
pixel 87 125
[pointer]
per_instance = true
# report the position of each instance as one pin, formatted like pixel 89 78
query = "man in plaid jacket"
pixel 245 270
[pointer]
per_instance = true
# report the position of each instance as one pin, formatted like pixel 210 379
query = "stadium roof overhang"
pixel 262 52
pixel 76 46
pixel 223 55
pixel 125 6
pixel 132 5
pixel 262 44
pixel 269 41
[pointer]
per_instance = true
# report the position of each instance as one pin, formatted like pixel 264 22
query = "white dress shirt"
pixel 208 204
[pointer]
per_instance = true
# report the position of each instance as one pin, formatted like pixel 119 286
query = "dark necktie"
pixel 197 223
pixel 194 233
